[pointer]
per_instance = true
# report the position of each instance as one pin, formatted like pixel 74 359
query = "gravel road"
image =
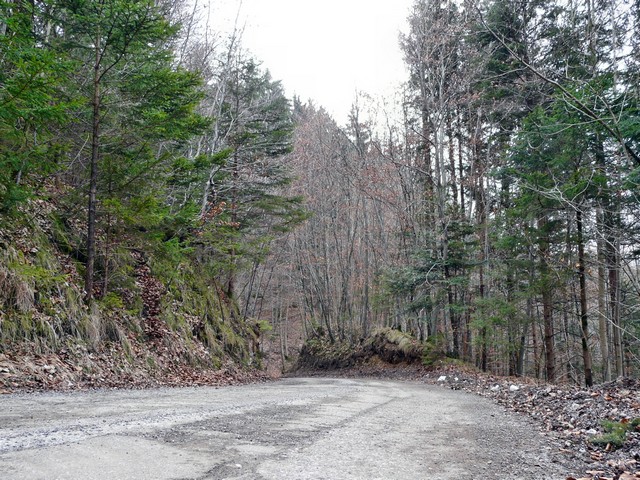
pixel 291 429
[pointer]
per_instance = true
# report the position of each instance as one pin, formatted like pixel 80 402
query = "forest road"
pixel 300 428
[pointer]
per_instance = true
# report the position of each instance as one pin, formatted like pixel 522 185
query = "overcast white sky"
pixel 323 50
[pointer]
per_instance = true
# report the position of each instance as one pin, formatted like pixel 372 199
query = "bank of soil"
pixel 77 368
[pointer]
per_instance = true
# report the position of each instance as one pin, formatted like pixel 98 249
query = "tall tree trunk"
pixel 452 165
pixel 461 176
pixel 534 338
pixel 483 330
pixel 454 317
pixel 549 335
pixel 584 319
pixel 512 328
pixel 603 327
pixel 93 176
pixel 481 219
pixel 547 301
pixel 611 223
pixel 614 294
pixel 365 319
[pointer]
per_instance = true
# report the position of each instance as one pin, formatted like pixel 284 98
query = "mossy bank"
pixel 159 316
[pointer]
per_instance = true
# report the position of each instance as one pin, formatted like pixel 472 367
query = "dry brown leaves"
pixel 570 414
pixel 77 368
pixel 602 475
pixel 151 291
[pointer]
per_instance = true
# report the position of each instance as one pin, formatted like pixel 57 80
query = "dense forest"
pixel 157 187
pixel 490 208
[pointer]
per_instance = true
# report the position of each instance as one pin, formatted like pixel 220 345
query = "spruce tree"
pixel 138 104
pixel 33 103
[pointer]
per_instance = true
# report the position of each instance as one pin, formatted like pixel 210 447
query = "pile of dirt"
pixel 385 345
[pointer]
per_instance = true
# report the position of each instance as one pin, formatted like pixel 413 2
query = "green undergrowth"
pixel 39 302
pixel 615 433
pixel 42 307
pixel 196 307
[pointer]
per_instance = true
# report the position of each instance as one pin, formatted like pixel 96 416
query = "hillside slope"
pixel 161 319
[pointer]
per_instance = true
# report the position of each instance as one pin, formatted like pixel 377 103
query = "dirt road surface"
pixel 292 429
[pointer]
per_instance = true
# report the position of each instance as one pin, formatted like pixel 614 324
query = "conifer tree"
pixel 138 103
pixel 244 204
pixel 32 99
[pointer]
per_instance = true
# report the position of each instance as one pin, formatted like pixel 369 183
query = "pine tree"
pixel 139 104
pixel 33 104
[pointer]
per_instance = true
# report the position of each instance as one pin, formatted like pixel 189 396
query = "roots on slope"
pixel 386 344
